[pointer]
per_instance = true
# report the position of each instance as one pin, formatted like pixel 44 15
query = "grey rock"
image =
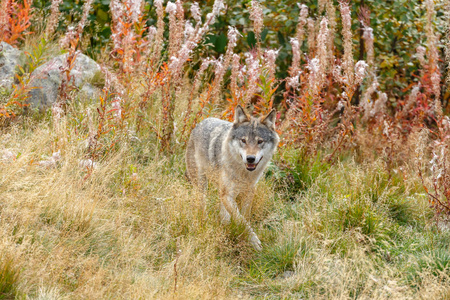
pixel 46 79
pixel 10 58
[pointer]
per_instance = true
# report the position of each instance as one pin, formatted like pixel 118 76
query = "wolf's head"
pixel 253 139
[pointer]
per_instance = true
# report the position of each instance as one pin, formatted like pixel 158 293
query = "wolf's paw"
pixel 255 242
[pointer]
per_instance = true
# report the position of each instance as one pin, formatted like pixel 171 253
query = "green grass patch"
pixel 9 277
pixel 277 258
pixel 359 215
pixel 435 262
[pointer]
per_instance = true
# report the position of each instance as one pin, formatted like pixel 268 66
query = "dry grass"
pixel 352 233
pixel 348 220
pixel 104 236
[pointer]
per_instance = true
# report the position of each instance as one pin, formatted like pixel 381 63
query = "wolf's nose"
pixel 251 159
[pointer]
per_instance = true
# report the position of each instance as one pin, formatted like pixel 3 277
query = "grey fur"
pixel 234 155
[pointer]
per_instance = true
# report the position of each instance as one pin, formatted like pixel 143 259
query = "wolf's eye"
pixel 243 141
pixel 260 142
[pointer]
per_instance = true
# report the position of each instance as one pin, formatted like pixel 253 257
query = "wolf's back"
pixel 204 149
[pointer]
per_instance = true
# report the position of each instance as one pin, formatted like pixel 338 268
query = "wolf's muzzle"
pixel 251 159
pixel 251 165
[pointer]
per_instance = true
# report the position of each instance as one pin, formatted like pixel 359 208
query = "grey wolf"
pixel 234 155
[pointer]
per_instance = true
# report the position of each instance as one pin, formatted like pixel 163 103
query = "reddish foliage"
pixel 18 20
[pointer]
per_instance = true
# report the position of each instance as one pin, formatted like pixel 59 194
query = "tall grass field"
pixel 94 201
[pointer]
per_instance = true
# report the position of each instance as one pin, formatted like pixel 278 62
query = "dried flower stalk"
pixel 433 56
pixel 53 18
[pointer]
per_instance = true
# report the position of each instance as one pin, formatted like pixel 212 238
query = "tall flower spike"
pixel 433 56
pixel 271 57
pixel 321 4
pixel 360 71
pixel 180 23
pixel 69 36
pixel 420 54
pixel 171 9
pixel 314 76
pixel 412 99
pixel 219 67
pixel 293 81
pixel 233 34
pixel 151 32
pixel 302 20
pixel 322 52
pixel 188 30
pixel 150 41
pixel 347 61
pixel 195 11
pixel 218 7
pixel 447 47
pixel 294 71
pixel 159 36
pixel 235 68
pixel 206 63
pixel 257 16
pixel 86 8
pixel 318 65
pixel 295 55
pixel 4 17
pixel 331 16
pixel 136 9
pixel 253 72
pixel 117 11
pixel 311 36
pixel 53 18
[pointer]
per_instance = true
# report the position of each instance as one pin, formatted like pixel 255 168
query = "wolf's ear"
pixel 239 115
pixel 269 120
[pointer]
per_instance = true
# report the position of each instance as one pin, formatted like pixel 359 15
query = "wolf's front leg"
pixel 247 203
pixel 228 196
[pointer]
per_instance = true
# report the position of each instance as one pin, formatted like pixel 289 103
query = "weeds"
pixel 355 205
pixel 15 19
pixel 438 190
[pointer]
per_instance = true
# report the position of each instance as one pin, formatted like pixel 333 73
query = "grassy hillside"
pixel 134 228
pixel 94 203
